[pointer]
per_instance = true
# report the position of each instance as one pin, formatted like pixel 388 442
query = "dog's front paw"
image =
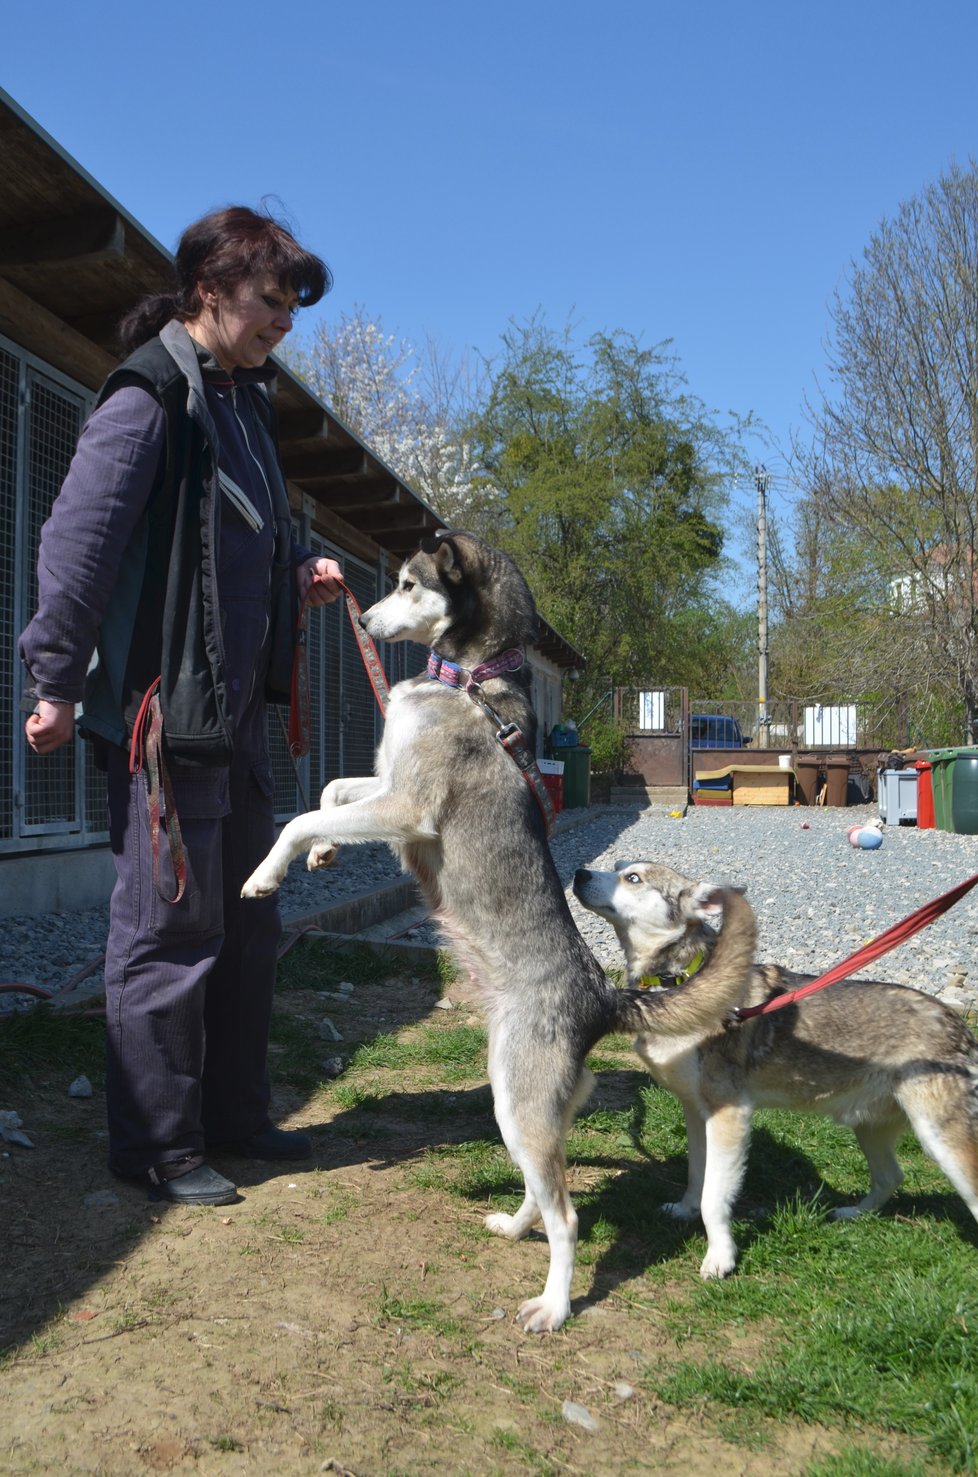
pixel 501 1224
pixel 680 1211
pixel 537 1315
pixel 718 1264
pixel 261 883
pixel 845 1213
pixel 323 854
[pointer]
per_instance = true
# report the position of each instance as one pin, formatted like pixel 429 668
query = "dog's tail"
pixel 706 999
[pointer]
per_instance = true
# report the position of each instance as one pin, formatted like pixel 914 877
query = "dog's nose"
pixel 581 876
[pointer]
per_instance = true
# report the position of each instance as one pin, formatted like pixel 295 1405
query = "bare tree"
pixel 895 453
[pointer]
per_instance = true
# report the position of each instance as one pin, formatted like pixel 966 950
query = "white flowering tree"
pixel 408 407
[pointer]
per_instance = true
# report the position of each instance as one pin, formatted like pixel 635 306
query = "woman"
pixel 169 554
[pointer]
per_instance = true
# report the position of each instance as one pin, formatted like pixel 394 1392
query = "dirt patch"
pixel 347 1315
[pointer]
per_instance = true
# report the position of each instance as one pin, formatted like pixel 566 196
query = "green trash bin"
pixel 961 791
pixel 577 776
pixel 940 760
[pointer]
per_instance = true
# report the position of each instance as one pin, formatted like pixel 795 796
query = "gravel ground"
pixel 817 899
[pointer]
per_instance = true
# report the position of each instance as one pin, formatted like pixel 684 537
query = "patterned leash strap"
pixel 897 934
pixel 146 752
pixel 300 704
pixel 520 752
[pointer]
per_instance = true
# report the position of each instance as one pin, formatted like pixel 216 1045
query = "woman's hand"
pixel 319 581
pixel 50 726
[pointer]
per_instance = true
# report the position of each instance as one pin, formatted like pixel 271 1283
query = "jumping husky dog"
pixel 874 1056
pixel 454 806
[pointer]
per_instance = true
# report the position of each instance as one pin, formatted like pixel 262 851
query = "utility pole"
pixel 762 479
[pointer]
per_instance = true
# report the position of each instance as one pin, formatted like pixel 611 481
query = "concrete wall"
pixel 55 882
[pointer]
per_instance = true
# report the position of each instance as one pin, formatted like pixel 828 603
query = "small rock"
pixel 11 1129
pixel 623 1390
pixel 578 1415
pixel 327 1031
pixel 957 999
pixel 445 1004
pixel 81 1087
pixel 344 988
pixel 101 1200
pixel 333 1066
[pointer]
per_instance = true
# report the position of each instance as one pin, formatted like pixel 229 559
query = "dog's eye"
pixel 633 877
pixel 408 585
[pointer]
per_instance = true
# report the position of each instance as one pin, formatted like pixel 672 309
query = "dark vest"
pixel 164 617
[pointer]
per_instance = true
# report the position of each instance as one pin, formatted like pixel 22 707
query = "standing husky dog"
pixel 874 1056
pixel 455 807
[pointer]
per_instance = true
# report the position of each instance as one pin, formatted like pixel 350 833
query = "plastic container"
pixel 552 771
pixel 964 791
pixel 563 736
pixel 577 776
pixel 836 781
pixel 897 793
pixel 940 785
pixel 806 778
pixel 925 796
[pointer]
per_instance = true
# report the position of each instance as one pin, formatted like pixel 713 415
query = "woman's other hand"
pixel 50 726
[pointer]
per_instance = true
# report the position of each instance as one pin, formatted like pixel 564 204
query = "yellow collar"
pixel 659 981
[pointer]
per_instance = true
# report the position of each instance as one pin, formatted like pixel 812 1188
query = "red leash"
pixel 886 941
pixel 146 752
pixel 300 706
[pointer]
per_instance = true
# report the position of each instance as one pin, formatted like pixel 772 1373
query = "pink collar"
pixel 451 674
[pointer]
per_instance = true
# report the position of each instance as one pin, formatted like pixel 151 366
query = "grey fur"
pixel 455 808
pixel 878 1057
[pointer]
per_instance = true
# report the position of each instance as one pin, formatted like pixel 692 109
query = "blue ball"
pixel 870 839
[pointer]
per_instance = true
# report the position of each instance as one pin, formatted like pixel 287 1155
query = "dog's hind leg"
pixel 535 1136
pixel 947 1132
pixel 688 1208
pixel 727 1138
pixel 878 1142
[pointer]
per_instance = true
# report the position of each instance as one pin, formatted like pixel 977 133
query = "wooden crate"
pixel 761 787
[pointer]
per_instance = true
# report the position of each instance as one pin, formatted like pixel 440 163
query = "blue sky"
pixel 702 172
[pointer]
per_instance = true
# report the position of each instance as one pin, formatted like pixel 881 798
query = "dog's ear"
pixel 446 555
pixel 705 900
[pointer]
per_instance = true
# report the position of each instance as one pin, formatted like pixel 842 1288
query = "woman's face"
pixel 242 327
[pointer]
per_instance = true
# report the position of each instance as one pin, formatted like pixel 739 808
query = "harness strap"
pixel 146 752
pixel 300 695
pixel 508 734
pixel 886 941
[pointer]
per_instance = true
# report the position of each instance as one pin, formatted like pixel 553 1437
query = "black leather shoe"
pixel 271 1143
pixel 202 1186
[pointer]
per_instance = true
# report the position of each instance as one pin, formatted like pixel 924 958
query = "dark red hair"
pixel 220 251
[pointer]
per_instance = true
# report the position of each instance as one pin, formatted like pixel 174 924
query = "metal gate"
pixel 656 721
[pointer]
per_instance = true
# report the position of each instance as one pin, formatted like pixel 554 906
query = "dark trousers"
pixel 188 985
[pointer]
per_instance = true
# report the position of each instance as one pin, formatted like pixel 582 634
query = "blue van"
pixel 715 731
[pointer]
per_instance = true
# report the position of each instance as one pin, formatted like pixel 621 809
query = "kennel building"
pixel 72 262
